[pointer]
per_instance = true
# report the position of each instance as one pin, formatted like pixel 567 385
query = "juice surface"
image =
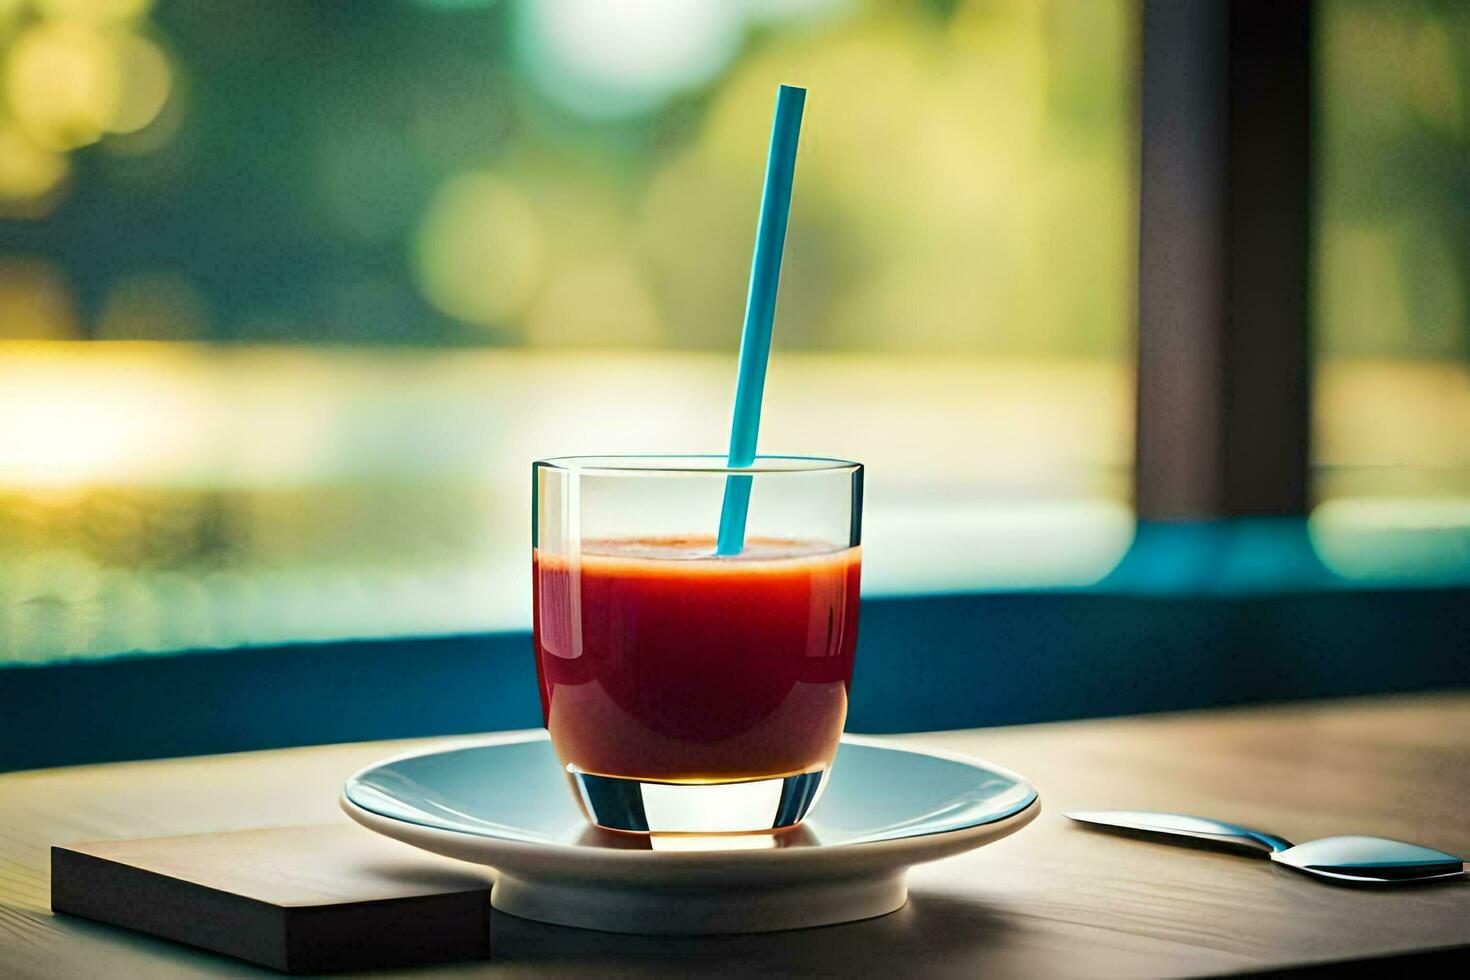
pixel 658 660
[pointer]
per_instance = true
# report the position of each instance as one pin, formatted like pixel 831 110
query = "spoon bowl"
pixel 1377 860
pixel 1359 860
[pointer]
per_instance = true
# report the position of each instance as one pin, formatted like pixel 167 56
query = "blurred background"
pixel 292 294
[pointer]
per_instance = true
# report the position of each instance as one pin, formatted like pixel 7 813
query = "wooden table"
pixel 1054 900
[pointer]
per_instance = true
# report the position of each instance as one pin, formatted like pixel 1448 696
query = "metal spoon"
pixel 1375 860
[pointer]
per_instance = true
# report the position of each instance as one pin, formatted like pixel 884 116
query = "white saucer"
pixel 506 803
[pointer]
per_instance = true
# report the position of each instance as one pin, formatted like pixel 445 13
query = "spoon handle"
pixel 1184 829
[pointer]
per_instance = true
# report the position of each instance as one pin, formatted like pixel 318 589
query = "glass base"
pixel 746 806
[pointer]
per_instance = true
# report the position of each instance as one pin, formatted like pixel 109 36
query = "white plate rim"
pixel 909 848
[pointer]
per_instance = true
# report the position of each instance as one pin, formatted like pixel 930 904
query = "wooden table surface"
pixel 1054 900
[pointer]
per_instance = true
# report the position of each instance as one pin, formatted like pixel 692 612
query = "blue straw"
pixel 760 313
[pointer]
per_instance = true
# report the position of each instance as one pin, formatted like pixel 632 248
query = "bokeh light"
pixel 35 301
pixel 478 256
pixel 145 79
pixel 30 175
pixel 71 73
pixel 159 305
pixel 62 84
pixel 609 59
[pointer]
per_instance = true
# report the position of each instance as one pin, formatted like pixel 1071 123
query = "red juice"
pixel 659 661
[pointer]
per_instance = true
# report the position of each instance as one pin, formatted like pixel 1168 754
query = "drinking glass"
pixel 687 692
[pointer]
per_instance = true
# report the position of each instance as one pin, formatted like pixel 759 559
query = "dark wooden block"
pixel 295 899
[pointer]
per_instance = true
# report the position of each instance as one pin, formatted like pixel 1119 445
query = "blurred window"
pixel 291 294
pixel 1392 292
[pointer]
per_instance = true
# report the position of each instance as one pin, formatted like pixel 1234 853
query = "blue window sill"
pixel 1195 616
